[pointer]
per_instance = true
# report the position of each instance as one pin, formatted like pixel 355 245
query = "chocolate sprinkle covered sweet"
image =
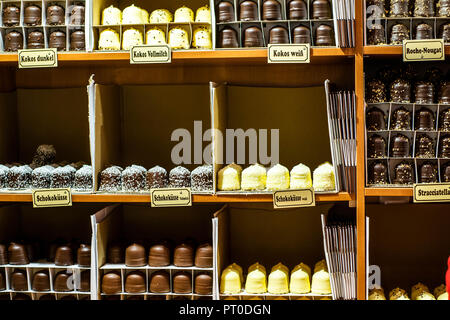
pixel 445 120
pixel 376 35
pixel 179 177
pixel 401 119
pixel 445 33
pixel 400 146
pixel 380 12
pixel 399 32
pixel 375 91
pixel 444 8
pixel 399 8
pixel 444 149
pixel 428 173
pixel 11 15
pixel 444 93
pixel 13 41
pixel 376 119
pixel 403 173
pixel 446 173
pixel 400 91
pixel 377 147
pixel 202 178
pixel 423 31
pixel 77 14
pixel 424 147
pixel 111 179
pixel 378 173
pixel 55 15
pixel 424 8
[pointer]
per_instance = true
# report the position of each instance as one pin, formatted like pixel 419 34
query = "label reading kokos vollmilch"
pixel 432 192
pixel 45 198
pixel 423 50
pixel 288 53
pixel 38 58
pixel 171 197
pixel 294 199
pixel 150 54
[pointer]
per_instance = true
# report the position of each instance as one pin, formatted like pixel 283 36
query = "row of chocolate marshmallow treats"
pixel 257 178
pixel 278 281
pixel 409 8
pixel 419 291
pixel 44 297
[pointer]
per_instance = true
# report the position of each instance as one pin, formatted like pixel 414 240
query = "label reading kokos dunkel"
pixel 45 198
pixel 150 54
pixel 431 192
pixel 288 53
pixel 38 58
pixel 171 197
pixel 294 199
pixel 423 50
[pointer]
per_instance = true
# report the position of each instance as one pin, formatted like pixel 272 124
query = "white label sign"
pixel 150 54
pixel 423 50
pixel 288 53
pixel 46 198
pixel 171 197
pixel 431 192
pixel 294 198
pixel 38 58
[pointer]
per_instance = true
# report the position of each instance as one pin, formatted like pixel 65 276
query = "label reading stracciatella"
pixel 150 54
pixel 171 197
pixel 431 192
pixel 46 198
pixel 294 199
pixel 288 53
pixel 38 58
pixel 423 50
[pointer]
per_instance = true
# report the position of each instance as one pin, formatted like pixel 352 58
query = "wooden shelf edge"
pixel 126 198
pixel 389 192
pixel 390 50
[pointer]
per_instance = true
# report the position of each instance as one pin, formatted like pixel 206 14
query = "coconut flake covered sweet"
pixel 203 14
pixel 179 177
pixel 178 38
pixel 278 178
pixel 109 40
pixel 3 176
pixel 184 14
pixel 254 178
pixel 157 177
pixel 62 177
pixel 202 178
pixel 134 179
pixel 19 177
pixel 83 179
pixel 300 177
pixel 111 16
pixel 155 36
pixel 131 37
pixel 323 178
pixel 202 38
pixel 41 177
pixel 111 179
pixel 161 16
pixel 229 177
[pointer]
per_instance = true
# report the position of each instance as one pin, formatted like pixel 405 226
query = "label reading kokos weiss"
pixel 150 54
pixel 432 192
pixel 180 197
pixel 294 199
pixel 423 50
pixel 288 53
pixel 45 198
pixel 38 58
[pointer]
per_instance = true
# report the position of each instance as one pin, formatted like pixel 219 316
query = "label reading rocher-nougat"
pixel 150 54
pixel 176 197
pixel 288 53
pixel 294 199
pixel 37 58
pixel 423 50
pixel 46 198
pixel 431 192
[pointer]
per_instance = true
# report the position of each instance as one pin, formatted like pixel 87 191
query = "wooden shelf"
pixel 130 198
pixel 390 51
pixel 389 192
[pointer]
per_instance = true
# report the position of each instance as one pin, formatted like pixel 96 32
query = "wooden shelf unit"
pixel 390 51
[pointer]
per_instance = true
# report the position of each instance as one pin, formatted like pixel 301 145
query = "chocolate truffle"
pixel 203 283
pixel 399 32
pixel 17 254
pixel 77 41
pixel 47 297
pixel 446 173
pixel 298 10
pixel 248 11
pixel 399 8
pixel 271 10
pixel 424 92
pixel 182 282
pixel 227 39
pixel 85 281
pixel 444 93
pixel 64 256
pixel 2 281
pixel 160 282
pixel 111 283
pixel 324 36
pixel 3 254
pixel 19 177
pixel 13 41
pixel 428 173
pixel 111 179
pixel 423 31
pixel 135 282
pixel 77 14
pixel 204 256
pixel 278 35
pixel 45 154
pixel 321 9
pixel 253 37
pixel 183 255
pixel 425 119
pixel 301 34
pixel 21 296
pixel 444 147
pixel 445 33
pixel 377 147
pixel 55 15
pixel 400 91
pixel 424 147
pixel 375 91
pixel 376 119
pixel 135 256
pixel 380 13
pixel 400 146
pixel 376 35
pixel 401 119
pixel 32 15
pixel 115 254
pixel 179 177
pixel 35 40
pixel 226 11
pixel 84 255
pixel 134 179
pixel 424 8
pixel 57 40
pixel 11 15
pixel 403 173
pixel 159 255
pixel 41 281
pixel 19 280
